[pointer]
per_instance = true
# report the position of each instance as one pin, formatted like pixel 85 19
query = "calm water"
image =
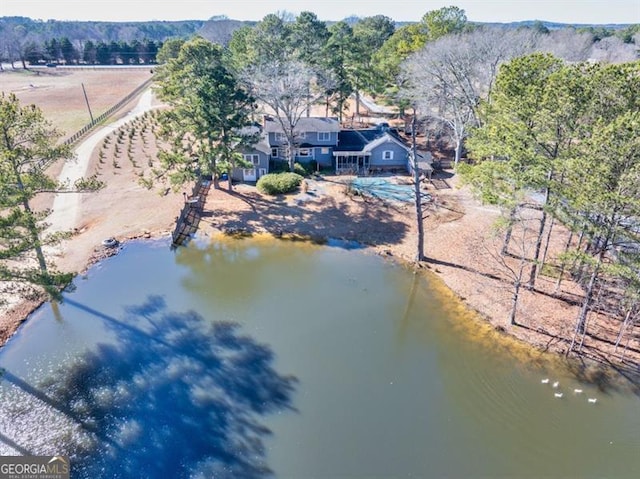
pixel 245 358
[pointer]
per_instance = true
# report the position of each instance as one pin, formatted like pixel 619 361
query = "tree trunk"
pixel 35 236
pixel 623 328
pixel 561 273
pixel 543 223
pixel 357 103
pixel 517 284
pixel 536 253
pixel 290 157
pixel 584 310
pixel 546 243
pixel 214 173
pixel 31 224
pixel 509 232
pixel 514 302
pixel 416 186
pixel 458 152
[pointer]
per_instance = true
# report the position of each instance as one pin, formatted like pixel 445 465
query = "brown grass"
pixel 58 92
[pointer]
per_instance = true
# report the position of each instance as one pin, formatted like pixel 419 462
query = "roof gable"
pixel 366 139
pixel 385 138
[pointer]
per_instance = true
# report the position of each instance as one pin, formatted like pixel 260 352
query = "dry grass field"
pixel 58 91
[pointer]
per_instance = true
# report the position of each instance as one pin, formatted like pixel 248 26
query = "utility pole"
pixel 87 100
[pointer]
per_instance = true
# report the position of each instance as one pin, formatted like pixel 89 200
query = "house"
pixel 314 137
pixel 361 151
pixel 256 154
pixel 371 149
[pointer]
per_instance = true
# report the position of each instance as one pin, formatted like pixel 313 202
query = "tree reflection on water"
pixel 176 396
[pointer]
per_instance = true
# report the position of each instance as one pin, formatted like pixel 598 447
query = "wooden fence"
pixel 44 163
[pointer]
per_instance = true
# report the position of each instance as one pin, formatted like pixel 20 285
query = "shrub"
pixel 300 170
pixel 306 169
pixel 278 183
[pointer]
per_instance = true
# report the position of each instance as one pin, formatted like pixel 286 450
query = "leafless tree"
pixel 567 44
pixel 448 78
pixel 219 30
pixel 287 89
pixel 613 50
pixel 15 39
pixel 523 234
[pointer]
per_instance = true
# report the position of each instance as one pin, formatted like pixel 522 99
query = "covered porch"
pixel 350 162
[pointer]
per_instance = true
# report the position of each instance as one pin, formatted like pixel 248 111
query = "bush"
pixel 300 170
pixel 306 169
pixel 278 183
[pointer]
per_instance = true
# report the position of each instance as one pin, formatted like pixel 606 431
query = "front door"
pixel 263 171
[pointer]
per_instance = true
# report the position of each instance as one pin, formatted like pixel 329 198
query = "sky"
pixel 563 11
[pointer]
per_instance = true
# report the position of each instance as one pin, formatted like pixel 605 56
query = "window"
pixel 274 153
pixel 324 136
pixel 281 137
pixel 304 152
pixel 255 159
pixel 387 155
pixel 324 151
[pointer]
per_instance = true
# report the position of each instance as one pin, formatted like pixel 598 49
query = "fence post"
pixel 107 113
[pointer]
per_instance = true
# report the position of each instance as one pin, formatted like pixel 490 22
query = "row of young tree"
pixel 63 51
pixel 19 35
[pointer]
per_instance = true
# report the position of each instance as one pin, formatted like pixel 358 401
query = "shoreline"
pixel 242 215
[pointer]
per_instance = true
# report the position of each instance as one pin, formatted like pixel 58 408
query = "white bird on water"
pixel 558 395
pixel 577 391
pixel 556 384
pixel 545 381
pixel 592 400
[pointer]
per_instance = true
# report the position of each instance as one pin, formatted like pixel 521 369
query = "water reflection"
pixel 175 396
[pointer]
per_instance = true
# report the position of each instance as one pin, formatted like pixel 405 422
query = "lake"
pixel 257 357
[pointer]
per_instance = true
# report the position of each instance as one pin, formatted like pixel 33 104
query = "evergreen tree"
pixel 27 144
pixel 209 109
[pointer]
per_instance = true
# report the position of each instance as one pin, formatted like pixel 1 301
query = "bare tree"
pixel 613 50
pixel 448 78
pixel 523 231
pixel 567 44
pixel 287 89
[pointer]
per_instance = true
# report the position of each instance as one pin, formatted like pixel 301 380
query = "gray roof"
pixel 261 145
pixel 272 125
pixel 366 139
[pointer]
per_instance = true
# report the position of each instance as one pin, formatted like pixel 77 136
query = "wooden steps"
pixel 191 214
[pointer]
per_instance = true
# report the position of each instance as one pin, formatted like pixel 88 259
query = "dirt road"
pixel 65 209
